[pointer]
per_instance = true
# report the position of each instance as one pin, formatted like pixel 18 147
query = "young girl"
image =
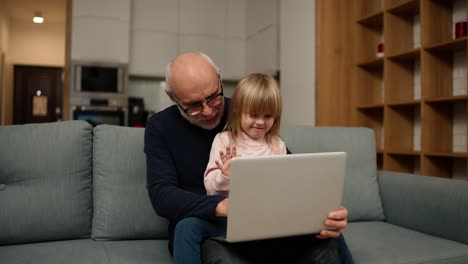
pixel 252 129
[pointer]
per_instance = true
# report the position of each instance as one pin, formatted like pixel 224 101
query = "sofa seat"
pixel 87 251
pixel 382 243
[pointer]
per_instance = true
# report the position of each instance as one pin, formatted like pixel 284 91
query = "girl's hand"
pixel 225 163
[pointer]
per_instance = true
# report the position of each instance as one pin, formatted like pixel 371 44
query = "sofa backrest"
pixel 45 182
pixel 361 192
pixel 122 208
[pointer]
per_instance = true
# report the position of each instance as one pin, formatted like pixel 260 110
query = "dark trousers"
pixel 299 249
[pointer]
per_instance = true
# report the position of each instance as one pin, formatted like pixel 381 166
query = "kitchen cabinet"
pixel 100 30
pixel 154 36
pixel 162 29
pixel 262 36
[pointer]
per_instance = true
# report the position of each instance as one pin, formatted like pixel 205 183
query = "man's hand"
pixel 222 208
pixel 337 221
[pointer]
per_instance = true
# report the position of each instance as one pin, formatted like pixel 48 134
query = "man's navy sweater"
pixel 177 154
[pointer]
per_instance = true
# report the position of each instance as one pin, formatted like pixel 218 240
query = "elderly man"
pixel 177 146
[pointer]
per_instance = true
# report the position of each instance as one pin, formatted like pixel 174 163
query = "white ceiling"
pixel 53 11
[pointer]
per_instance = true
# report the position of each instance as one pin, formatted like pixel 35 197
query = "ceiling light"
pixel 38 19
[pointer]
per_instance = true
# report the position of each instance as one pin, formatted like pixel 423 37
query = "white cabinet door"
pixel 261 14
pixel 235 54
pixel 150 53
pixel 202 17
pixel 235 40
pixel 262 36
pixel 101 30
pixel 155 15
pixel 117 9
pixel 154 38
pixel 212 46
pixel 262 51
pixel 236 19
pixel 217 28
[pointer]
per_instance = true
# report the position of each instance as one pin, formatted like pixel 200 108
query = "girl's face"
pixel 256 125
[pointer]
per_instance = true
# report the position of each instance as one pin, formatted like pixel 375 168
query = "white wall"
pixel 297 60
pixel 37 44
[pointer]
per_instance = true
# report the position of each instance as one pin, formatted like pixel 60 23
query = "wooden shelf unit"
pixel 410 97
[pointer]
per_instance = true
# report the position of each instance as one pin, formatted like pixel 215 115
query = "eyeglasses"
pixel 198 108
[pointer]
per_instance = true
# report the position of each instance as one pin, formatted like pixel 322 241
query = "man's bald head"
pixel 190 67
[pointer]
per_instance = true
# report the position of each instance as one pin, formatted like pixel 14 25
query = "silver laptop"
pixel 284 195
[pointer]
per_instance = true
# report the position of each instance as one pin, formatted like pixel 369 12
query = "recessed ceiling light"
pixel 38 19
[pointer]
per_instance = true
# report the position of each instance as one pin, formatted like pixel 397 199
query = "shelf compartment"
pixel 446 99
pixel 370 107
pixel 369 86
pixel 402 163
pixel 404 8
pixel 402 79
pixel 367 9
pixel 449 46
pixel 373 118
pixel 445 166
pixel 410 55
pixel 446 123
pixel 405 103
pixel 367 38
pixel 402 128
pixel 446 154
pixel 374 20
pixel 438 71
pixel 373 64
pixel 440 28
pixel 402 31
pixel 403 153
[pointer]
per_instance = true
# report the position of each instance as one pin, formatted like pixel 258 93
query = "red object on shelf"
pixel 380 47
pixel 380 50
pixel 460 29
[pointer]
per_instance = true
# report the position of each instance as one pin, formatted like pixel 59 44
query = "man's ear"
pixel 170 95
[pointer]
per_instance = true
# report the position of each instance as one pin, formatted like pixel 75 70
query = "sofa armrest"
pixel 431 205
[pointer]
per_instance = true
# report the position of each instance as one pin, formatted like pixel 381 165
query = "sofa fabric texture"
pixel 381 242
pixel 86 251
pixel 71 193
pixel 438 197
pixel 47 182
pixel 119 187
pixel 361 191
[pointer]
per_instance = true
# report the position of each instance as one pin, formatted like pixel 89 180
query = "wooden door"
pixel 37 94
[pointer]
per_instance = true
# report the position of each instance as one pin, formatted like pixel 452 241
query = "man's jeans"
pixel 188 236
pixel 190 233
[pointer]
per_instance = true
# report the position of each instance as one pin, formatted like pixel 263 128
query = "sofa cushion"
pixel 45 182
pixel 441 202
pixel 122 208
pixel 87 251
pixel 381 242
pixel 361 192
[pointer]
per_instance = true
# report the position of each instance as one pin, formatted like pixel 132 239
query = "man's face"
pixel 207 99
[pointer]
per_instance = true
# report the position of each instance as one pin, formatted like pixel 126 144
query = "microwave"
pixel 94 77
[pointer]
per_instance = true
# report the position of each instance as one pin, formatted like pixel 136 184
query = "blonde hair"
pixel 255 93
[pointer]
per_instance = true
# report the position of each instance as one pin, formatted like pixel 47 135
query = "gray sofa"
pixel 73 194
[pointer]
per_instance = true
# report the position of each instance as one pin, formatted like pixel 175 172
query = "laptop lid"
pixel 283 195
